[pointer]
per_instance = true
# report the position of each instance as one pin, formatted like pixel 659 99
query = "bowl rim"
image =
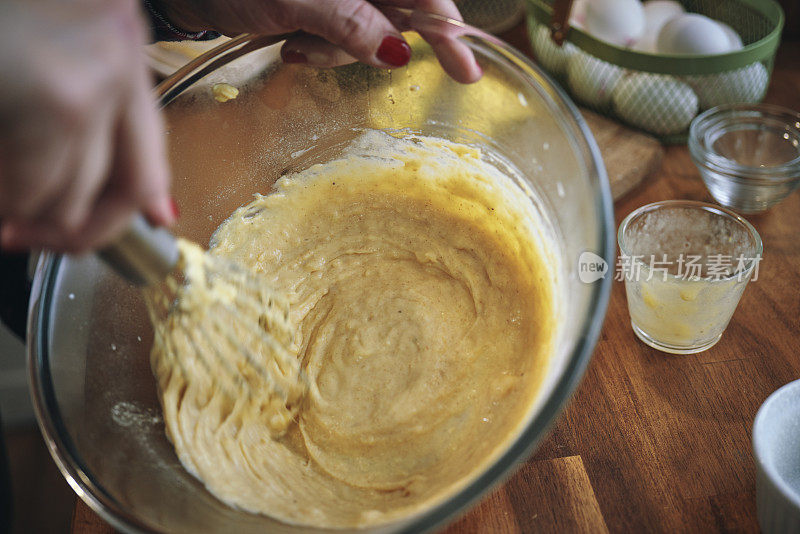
pixel 760 446
pixel 713 119
pixel 79 477
pixel 758 51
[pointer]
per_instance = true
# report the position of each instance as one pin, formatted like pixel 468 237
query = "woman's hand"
pixel 81 143
pixel 332 32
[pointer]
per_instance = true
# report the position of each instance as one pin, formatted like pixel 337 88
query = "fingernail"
pixel 293 56
pixel 394 51
pixel 176 211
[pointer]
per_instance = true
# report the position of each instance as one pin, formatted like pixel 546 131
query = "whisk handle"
pixel 143 254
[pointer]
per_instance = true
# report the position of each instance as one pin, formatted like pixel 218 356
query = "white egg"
pixel 619 22
pixel 551 56
pixel 646 44
pixel 692 34
pixel 747 84
pixel 656 103
pixel 577 17
pixel 656 14
pixel 592 80
pixel 733 36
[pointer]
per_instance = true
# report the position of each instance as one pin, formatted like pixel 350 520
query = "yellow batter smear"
pixel 226 329
pixel 424 308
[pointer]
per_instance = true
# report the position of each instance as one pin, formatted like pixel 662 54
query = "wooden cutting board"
pixel 629 156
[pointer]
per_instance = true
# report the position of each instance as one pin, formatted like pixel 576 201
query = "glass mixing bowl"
pixel 89 336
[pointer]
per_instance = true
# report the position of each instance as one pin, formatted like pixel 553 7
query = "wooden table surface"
pixel 654 442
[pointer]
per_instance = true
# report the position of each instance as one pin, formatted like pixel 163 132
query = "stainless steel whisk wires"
pixel 217 321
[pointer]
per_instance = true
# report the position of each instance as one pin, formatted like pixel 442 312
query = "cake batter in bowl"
pixel 95 393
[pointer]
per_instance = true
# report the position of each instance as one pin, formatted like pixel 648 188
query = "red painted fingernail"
pixel 394 51
pixel 176 211
pixel 293 56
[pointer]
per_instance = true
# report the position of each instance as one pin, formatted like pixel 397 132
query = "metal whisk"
pixel 219 322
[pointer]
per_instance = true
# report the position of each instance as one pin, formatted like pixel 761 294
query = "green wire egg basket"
pixel 656 93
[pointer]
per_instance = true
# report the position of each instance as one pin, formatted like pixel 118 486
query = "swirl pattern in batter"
pixel 424 305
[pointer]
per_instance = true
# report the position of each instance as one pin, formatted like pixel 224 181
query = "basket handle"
pixel 559 22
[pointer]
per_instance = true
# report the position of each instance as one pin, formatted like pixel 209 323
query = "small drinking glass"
pixel 685 266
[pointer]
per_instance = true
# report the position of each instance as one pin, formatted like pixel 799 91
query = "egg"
pixel 656 103
pixel 692 34
pixel 551 56
pixel 577 17
pixel 619 22
pixel 656 14
pixel 659 12
pixel 646 44
pixel 747 84
pixel 592 80
pixel 734 38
